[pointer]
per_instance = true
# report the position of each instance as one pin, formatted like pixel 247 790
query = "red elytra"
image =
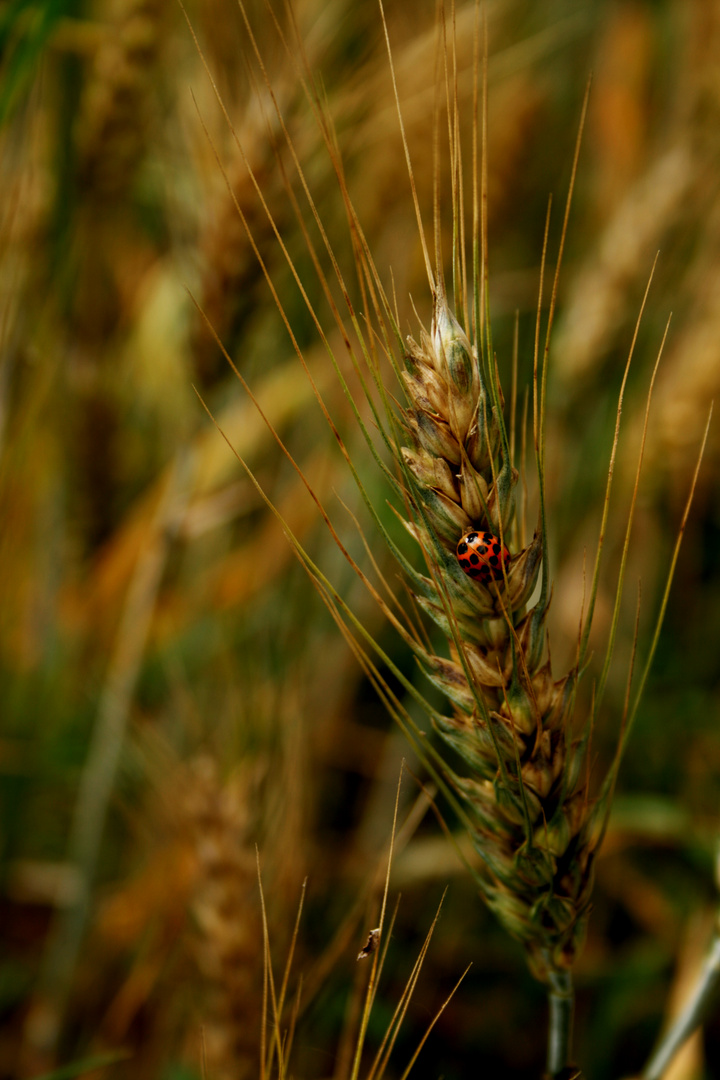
pixel 481 555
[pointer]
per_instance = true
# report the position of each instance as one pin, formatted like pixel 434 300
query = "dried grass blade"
pixel 432 1024
pixel 393 1029
pixel 276 1044
pixel 291 950
pixel 374 971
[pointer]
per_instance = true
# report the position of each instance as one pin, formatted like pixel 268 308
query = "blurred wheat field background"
pixel 173 690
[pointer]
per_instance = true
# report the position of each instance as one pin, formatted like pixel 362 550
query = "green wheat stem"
pixel 561 1001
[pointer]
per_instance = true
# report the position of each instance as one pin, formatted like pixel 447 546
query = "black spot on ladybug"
pixel 470 537
pixel 493 559
pixel 474 559
pixel 462 547
pixel 482 548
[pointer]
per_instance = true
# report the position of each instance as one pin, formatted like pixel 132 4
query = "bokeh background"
pixel 173 691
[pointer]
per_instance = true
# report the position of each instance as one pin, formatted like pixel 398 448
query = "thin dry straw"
pixel 432 1024
pixel 348 929
pixel 348 1040
pixel 374 971
pixel 286 978
pixel 393 1029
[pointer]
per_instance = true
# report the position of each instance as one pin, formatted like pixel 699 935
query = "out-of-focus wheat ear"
pixel 229 271
pixel 112 125
pixel 228 937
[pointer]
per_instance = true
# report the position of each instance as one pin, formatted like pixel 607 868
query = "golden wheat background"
pixel 172 690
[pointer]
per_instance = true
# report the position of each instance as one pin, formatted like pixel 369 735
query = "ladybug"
pixel 481 556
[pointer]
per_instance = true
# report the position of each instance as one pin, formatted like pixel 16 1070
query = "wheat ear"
pixel 526 791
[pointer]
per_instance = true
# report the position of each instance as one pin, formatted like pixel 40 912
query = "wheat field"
pixel 196 220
